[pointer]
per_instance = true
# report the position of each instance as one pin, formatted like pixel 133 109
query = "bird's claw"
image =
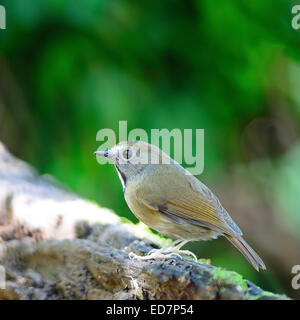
pixel 188 253
pixel 151 251
pixel 132 256
pixel 174 254
pixel 160 254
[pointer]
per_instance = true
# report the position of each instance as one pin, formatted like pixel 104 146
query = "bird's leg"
pixel 166 251
pixel 176 250
pixel 164 248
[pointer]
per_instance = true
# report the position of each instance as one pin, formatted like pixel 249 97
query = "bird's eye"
pixel 127 154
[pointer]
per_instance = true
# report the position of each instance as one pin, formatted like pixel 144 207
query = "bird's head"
pixel 132 157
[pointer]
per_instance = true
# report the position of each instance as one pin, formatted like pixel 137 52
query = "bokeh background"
pixel 70 68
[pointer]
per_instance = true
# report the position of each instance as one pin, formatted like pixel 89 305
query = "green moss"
pixel 126 220
pixel 230 278
pixel 224 277
pixel 266 294
pixel 202 261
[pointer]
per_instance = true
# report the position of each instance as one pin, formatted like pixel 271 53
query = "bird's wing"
pixel 194 212
pixel 185 201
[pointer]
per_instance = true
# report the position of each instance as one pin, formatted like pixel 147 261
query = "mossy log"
pixel 56 245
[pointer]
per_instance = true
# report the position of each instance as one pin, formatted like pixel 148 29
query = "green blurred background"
pixel 70 68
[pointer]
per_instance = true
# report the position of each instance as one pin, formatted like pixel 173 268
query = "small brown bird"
pixel 167 198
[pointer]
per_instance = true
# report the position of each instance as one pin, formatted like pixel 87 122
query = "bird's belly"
pixel 176 230
pixel 184 230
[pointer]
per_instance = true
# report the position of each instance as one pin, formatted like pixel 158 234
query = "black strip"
pixel 124 180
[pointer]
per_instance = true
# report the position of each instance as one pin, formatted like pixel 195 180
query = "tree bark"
pixel 56 245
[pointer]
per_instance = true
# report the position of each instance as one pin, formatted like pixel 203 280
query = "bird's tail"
pixel 247 251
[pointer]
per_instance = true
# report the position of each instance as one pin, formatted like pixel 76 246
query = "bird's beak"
pixel 101 153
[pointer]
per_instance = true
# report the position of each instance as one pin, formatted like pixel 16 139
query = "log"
pixel 56 245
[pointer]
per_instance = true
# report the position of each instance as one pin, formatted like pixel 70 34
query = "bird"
pixel 169 199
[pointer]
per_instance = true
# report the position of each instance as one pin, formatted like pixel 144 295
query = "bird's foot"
pixel 164 253
pixel 157 254
pixel 176 250
pixel 185 252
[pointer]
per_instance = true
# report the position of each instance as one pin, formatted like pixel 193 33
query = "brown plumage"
pixel 167 198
